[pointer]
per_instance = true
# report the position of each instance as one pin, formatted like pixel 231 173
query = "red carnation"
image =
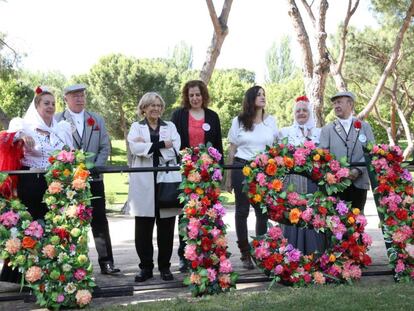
pixel 90 121
pixel 206 244
pixel 52 159
pixel 401 214
pixel 357 124
pixel 302 99
pixel 38 90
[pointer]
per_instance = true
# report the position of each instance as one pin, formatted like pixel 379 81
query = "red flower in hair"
pixel 38 90
pixel 357 124
pixel 90 121
pixel 302 99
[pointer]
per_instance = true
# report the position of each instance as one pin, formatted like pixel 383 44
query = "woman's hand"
pixel 139 139
pixel 28 141
pixel 168 144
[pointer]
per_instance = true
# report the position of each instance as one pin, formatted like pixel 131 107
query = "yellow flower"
pixel 66 172
pixel 199 191
pixel 257 198
pixel 356 211
pixel 294 215
pixel 271 161
pixel 332 258
pixel 319 151
pixel 247 171
pixel 316 157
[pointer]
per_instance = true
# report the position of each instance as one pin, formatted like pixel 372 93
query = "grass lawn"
pixel 387 297
pixel 116 185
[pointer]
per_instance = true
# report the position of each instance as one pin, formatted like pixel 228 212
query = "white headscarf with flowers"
pixel 59 131
pixel 311 121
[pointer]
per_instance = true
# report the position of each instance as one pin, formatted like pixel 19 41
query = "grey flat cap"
pixel 343 94
pixel 74 88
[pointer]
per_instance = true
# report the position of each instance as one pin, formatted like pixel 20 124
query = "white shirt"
pixel 346 123
pixel 250 143
pixel 79 120
pixel 296 137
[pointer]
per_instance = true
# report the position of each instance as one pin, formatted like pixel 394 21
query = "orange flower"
pixel 331 179
pixel 81 173
pixel 294 215
pixel 195 278
pixel 199 191
pixel 271 168
pixel 289 163
pixel 277 184
pixel 224 281
pixel 66 172
pixel 351 220
pixel 78 184
pixel 316 157
pixel 332 258
pixel 257 198
pixel 55 187
pixel 28 242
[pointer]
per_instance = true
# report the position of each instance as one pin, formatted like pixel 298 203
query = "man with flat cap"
pixel 89 134
pixel 346 137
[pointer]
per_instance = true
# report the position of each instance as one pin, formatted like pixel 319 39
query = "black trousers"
pixel 357 196
pixel 144 227
pixel 99 224
pixel 181 246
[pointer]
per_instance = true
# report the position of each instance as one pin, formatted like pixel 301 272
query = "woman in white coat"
pixel 152 141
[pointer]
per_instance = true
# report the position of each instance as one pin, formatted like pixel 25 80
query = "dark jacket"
pixel 180 119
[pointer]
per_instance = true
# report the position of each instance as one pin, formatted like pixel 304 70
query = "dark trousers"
pixel 144 227
pixel 99 224
pixel 357 196
pixel 181 246
pixel 243 208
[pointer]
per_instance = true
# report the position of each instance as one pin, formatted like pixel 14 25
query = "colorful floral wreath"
pixel 202 226
pixel 53 257
pixel 396 202
pixel 343 225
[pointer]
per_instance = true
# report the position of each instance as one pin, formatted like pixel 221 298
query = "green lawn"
pixel 116 185
pixel 386 297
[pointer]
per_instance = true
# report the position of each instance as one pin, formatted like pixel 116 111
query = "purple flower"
pixel 214 153
pixel 341 208
pixel 60 298
pixel 406 175
pixel 218 207
pixel 217 175
pixel 9 219
pixel 293 255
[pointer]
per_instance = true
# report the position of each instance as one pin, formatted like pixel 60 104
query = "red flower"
pixel 302 99
pixel 38 90
pixel 90 121
pixel 206 244
pixel 55 173
pixel 401 214
pixel 322 210
pixel 52 159
pixel 357 124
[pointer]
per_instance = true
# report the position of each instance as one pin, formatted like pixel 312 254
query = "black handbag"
pixel 168 183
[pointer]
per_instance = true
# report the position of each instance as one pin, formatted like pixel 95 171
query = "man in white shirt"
pixel 90 135
pixel 346 137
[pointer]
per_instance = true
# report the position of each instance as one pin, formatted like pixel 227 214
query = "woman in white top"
pixel 303 129
pixel 41 134
pixel 249 134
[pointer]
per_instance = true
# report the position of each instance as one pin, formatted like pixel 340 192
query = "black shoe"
pixel 109 268
pixel 143 275
pixel 166 275
pixel 183 266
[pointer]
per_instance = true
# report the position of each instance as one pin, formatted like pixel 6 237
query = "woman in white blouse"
pixel 41 135
pixel 249 134
pixel 303 129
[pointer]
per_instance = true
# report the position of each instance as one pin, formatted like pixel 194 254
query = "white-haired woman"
pixel 303 129
pixel 152 141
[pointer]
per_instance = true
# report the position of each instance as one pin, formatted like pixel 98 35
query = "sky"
pixel 71 35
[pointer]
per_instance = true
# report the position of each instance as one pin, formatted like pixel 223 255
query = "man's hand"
pixel 354 174
pixel 28 141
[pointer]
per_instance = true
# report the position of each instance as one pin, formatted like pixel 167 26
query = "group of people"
pixel 154 141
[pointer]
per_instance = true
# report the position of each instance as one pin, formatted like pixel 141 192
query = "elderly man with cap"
pixel 89 134
pixel 346 137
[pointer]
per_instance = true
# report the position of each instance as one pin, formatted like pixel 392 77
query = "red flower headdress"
pixel 302 99
pixel 38 90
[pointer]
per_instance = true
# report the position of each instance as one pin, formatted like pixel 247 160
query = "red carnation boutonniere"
pixel 90 121
pixel 38 90
pixel 357 125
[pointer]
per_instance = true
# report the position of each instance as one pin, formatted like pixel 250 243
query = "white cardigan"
pixel 141 185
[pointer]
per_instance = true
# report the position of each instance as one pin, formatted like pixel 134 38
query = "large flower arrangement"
pixel 202 225
pixel 343 225
pixel 395 193
pixel 53 257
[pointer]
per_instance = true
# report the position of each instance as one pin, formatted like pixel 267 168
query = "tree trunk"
pixel 220 33
pixel 391 63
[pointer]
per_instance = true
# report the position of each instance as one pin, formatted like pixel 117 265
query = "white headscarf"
pixel 32 120
pixel 311 121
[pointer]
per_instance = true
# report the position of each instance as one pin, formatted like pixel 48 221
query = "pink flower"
pixel 83 297
pixel 307 214
pixel 13 246
pixel 278 269
pixel 331 179
pixel 400 267
pixel 225 265
pixel 194 177
pixel 9 219
pixel 410 250
pixel 55 187
pixel 78 184
pixel 366 239
pixel 79 274
pixel 33 274
pixel 66 156
pixel 309 144
pixel 60 298
pixel 351 271
pixel 211 274
pixel 261 179
pixel 220 210
pixel 275 232
pixel 334 165
pixel 318 222
pixel 361 220
pixel 262 251
pixel 190 252
pixel 319 278
pixel 299 156
pixel 215 232
pixel 214 153
pixel 34 229
pixel 49 251
pixel 343 172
